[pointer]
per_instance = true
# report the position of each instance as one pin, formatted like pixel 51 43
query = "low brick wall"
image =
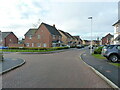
pixel 16 45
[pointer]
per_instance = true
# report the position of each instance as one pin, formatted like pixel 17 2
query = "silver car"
pixel 111 52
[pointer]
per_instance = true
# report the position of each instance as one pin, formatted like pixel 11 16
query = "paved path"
pixel 103 66
pixel 57 70
pixel 10 63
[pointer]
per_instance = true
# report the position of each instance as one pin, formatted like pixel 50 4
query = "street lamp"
pixel 91 35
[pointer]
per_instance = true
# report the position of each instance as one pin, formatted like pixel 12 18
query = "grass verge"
pixel 115 64
pixel 99 56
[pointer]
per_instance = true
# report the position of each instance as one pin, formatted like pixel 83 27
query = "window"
pixel 117 29
pixel 59 37
pixel 38 44
pixel 118 47
pixel 30 36
pixel 10 40
pixel 53 36
pixel 38 36
pixel 44 45
pixel 27 44
pixel 32 44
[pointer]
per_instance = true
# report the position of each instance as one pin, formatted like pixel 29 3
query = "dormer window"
pixel 30 36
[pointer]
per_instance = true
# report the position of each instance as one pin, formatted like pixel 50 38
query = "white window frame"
pixel 27 44
pixel 32 44
pixel 38 45
pixel 30 36
pixel 10 40
pixel 59 37
pixel 44 45
pixel 53 36
pixel 38 36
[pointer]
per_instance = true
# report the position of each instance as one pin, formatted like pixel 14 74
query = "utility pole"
pixel 91 35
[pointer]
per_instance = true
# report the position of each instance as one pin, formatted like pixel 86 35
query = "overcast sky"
pixel 20 15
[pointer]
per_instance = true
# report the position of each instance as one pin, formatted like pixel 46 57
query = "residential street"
pixel 56 70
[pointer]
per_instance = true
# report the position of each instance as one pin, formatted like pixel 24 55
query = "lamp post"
pixel 91 35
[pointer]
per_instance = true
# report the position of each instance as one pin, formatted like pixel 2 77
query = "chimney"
pixel 53 25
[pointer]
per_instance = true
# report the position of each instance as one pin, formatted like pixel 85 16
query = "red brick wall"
pixel 10 39
pixel 16 45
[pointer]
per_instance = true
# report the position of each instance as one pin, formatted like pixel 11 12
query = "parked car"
pixel 79 46
pixel 2 47
pixel 111 52
pixel 65 46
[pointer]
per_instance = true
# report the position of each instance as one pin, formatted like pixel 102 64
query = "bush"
pixel 98 50
pixel 35 48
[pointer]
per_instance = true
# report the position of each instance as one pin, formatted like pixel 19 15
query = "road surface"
pixel 56 70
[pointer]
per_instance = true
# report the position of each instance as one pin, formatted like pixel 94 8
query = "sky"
pixel 70 16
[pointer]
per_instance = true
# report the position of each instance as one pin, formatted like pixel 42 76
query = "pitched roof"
pixel 52 29
pixel 78 38
pixel 87 40
pixel 64 33
pixel 70 35
pixel 116 23
pixel 5 34
pixel 108 36
pixel 31 31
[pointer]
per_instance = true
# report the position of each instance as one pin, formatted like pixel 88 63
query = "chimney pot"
pixel 53 25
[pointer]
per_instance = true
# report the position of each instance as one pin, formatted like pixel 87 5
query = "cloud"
pixel 20 15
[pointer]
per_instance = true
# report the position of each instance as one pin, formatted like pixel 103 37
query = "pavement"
pixel 109 71
pixel 9 64
pixel 55 70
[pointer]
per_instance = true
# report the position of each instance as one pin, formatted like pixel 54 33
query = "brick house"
pixel 43 36
pixel 107 39
pixel 78 40
pixel 71 39
pixel 66 39
pixel 86 42
pixel 9 38
pixel 95 42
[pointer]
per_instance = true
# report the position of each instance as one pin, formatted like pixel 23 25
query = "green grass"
pixel 116 64
pixel 99 56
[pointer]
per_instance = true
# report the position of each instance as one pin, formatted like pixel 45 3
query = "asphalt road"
pixel 57 70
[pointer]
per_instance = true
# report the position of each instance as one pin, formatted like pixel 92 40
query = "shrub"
pixel 98 50
pixel 35 48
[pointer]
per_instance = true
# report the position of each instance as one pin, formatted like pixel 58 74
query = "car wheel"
pixel 113 58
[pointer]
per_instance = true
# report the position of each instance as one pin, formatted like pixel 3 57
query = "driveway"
pixel 57 70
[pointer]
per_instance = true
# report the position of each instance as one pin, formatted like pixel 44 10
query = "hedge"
pixel 98 50
pixel 35 48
